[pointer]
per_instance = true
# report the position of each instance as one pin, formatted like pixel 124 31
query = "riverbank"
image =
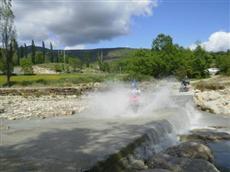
pixel 46 102
pixel 43 102
pixel 213 95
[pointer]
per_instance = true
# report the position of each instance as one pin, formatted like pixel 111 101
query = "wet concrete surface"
pixel 68 143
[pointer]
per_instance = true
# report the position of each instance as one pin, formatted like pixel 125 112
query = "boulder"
pixel 168 162
pixel 192 150
pixel 130 162
pixel 205 135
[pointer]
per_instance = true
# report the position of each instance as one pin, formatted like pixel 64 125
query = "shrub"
pixel 25 83
pixel 42 81
pixel 26 65
pixel 58 68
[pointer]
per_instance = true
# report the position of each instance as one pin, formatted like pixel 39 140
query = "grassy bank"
pixel 53 79
pixel 69 79
pixel 61 79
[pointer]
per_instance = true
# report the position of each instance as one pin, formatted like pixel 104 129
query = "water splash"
pixel 114 101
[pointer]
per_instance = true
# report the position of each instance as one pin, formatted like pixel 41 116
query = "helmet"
pixel 134 84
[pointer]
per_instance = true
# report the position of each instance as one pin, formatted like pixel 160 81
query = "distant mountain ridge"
pixel 93 54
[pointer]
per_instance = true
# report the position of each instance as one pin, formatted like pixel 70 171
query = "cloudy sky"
pixel 77 24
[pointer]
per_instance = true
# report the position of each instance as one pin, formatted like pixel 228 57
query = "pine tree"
pixel 33 52
pixel 17 52
pixel 51 53
pixel 21 54
pixel 43 51
pixel 25 50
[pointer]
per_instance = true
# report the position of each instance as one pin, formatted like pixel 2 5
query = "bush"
pixel 223 62
pixel 58 68
pixel 42 81
pixel 25 83
pixel 228 72
pixel 39 58
pixel 26 65
pixel 75 63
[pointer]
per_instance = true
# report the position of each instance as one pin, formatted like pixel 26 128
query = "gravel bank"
pixel 44 102
pixel 19 107
pixel 213 95
pixel 217 101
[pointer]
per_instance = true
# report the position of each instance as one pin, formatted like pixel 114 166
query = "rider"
pixel 185 82
pixel 135 92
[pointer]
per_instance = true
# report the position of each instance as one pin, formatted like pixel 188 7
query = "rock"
pixel 165 161
pixel 138 165
pixel 97 84
pixel 213 101
pixel 2 110
pixel 217 127
pixel 12 118
pixel 205 135
pixel 191 150
pixel 198 165
pixel 19 107
pixel 131 163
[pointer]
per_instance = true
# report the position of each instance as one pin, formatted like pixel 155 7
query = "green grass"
pixel 53 80
pixel 69 79
pixel 61 79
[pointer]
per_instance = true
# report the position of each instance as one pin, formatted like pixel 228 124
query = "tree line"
pixel 11 54
pixel 31 52
pixel 166 58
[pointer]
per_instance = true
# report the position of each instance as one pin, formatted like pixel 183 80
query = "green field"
pixel 54 79
pixel 59 79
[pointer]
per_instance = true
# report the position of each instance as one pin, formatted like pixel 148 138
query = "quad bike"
pixel 184 88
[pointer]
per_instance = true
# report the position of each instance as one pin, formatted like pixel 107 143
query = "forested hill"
pixel 93 54
pixel 106 53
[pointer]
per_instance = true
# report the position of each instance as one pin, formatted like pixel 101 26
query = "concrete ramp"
pixel 76 143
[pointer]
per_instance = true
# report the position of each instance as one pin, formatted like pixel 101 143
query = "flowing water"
pixel 163 102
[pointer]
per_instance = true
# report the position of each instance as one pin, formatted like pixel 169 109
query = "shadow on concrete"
pixel 65 150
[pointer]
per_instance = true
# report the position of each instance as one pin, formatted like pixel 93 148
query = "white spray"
pixel 114 101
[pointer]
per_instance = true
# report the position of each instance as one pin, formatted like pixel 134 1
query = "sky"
pixel 87 24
